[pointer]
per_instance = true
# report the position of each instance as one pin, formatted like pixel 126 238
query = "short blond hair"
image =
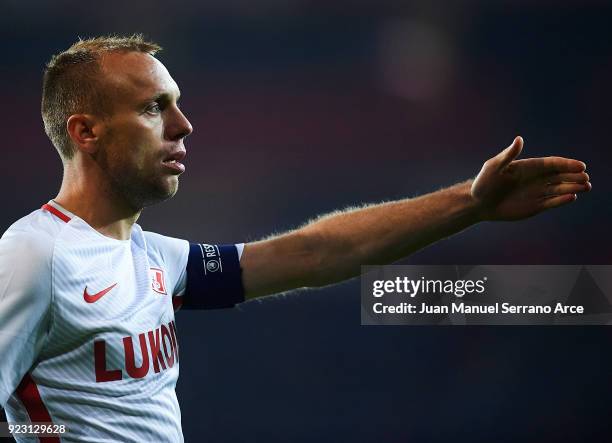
pixel 72 83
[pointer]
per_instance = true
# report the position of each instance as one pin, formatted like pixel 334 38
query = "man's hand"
pixel 509 189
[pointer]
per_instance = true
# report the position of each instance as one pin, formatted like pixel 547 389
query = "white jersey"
pixel 87 331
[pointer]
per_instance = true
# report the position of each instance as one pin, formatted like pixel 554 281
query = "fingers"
pixel 531 168
pixel 559 200
pixel 566 188
pixel 506 157
pixel 570 177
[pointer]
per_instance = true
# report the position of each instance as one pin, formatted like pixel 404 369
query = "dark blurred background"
pixel 301 107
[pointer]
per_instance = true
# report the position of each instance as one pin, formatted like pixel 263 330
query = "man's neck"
pixel 106 216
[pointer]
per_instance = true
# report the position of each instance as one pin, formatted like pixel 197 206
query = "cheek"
pixel 139 147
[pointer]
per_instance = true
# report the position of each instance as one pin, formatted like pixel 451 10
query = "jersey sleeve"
pixel 202 276
pixel 25 304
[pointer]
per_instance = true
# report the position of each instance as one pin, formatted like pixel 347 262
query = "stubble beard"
pixel 130 186
pixel 140 193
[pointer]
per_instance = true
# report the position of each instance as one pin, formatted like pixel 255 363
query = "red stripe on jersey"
pixel 27 392
pixel 56 212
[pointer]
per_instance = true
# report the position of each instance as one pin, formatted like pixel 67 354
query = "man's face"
pixel 141 147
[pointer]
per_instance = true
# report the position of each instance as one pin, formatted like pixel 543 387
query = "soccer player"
pixel 87 298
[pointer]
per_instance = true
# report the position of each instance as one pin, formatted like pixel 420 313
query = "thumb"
pixel 511 152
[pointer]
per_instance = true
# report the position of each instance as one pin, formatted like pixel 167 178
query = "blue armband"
pixel 214 277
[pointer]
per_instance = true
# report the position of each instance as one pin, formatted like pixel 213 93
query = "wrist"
pixel 475 210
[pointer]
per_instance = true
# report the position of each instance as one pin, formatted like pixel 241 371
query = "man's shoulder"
pixel 159 241
pixel 33 236
pixel 169 250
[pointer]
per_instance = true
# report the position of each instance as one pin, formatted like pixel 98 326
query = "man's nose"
pixel 179 127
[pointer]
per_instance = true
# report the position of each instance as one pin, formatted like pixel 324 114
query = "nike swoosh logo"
pixel 95 297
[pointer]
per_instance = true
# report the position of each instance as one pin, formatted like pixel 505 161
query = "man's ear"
pixel 84 130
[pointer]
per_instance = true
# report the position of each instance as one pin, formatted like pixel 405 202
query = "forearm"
pixel 384 233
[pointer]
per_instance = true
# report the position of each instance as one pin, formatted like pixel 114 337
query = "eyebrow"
pixel 165 96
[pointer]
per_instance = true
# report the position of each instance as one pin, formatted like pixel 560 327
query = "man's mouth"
pixel 173 161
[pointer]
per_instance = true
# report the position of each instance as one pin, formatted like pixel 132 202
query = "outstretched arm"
pixel 333 247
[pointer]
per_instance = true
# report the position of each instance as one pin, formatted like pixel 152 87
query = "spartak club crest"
pixel 158 283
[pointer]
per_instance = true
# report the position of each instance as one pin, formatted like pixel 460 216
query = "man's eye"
pixel 154 108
